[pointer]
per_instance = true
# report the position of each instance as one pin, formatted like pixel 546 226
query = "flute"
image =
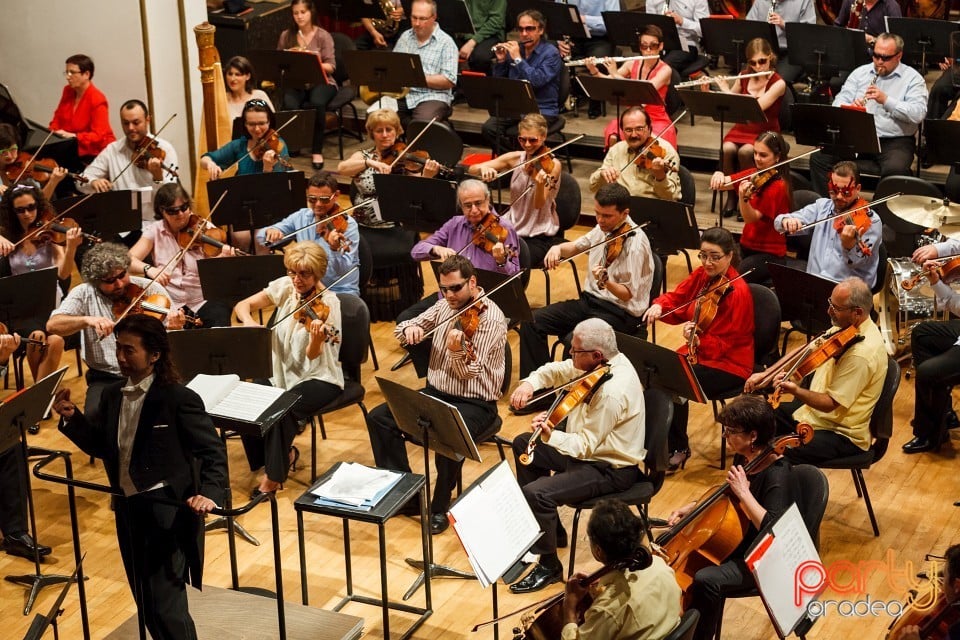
pixel 583 62
pixel 707 79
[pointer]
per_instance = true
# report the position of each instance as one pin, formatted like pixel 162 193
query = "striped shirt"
pixel 633 268
pixel 450 371
pixel 439 55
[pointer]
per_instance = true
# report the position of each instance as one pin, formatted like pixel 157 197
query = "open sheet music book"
pixel 494 523
pixel 229 397
pixel 777 558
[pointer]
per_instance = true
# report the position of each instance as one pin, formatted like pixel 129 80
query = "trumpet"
pixel 699 82
pixel 583 62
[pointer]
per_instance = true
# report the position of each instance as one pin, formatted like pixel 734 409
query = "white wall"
pixel 36 38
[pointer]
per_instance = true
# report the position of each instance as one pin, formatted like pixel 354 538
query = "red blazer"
pixel 727 344
pixel 90 120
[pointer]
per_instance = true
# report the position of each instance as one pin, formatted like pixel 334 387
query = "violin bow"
pixel 33 157
pixel 486 294
pixel 706 293
pixel 52 220
pixel 143 150
pixel 309 300
pixel 775 166
pixel 412 142
pixel 321 221
pixel 846 213
pixel 654 140
pixel 629 232
pixel 261 142
pixel 537 157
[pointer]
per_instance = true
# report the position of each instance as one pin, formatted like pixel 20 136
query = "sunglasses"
pixel 172 211
pixel 316 199
pixel 453 288
pixel 113 279
pixel 527 29
pixel 758 61
pixel 649 47
pixel 883 58
pixel 526 140
pixel 27 208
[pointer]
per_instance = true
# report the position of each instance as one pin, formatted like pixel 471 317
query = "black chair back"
pixel 656 285
pixel 659 413
pixel 341 42
pixel 812 500
pixel 688 187
pixel 766 325
pixel 881 421
pixel 355 334
pixel 366 261
pixel 687 626
pixel 569 201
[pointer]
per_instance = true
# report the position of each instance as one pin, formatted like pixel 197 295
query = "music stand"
pixel 352 10
pixel 288 69
pixel 923 38
pixel 562 19
pixel 615 90
pixel 511 299
pixel 941 137
pixel 436 425
pixel 421 204
pixel 661 368
pixel 500 98
pixel 40 623
pixel 454 17
pixel 840 132
pixel 624 28
pixel 826 51
pixel 18 412
pixel 256 200
pixel 384 71
pixel 728 38
pixel 105 214
pixel 803 297
pixel 230 281
pixel 672 225
pixel 28 296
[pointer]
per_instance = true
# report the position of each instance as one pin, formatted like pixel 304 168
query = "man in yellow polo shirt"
pixel 840 399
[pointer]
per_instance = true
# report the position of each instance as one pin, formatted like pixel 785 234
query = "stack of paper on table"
pixel 356 486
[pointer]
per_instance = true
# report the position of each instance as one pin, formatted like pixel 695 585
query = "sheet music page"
pixel 212 389
pixel 246 401
pixel 774 566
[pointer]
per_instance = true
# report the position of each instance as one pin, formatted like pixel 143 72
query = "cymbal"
pixel 951 230
pixel 931 213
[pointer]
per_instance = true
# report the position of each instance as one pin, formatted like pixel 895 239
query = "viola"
pixel 149 148
pixel 210 243
pixel 41 345
pixel 489 232
pixel 859 217
pixel 705 311
pixel 614 249
pixel 934 619
pixel 55 231
pixel 39 169
pixel 717 526
pixel 271 141
pixel 817 352
pixel 949 272
pixel 645 158
pixel 468 322
pixel 580 391
pixel 154 305
pixel 319 311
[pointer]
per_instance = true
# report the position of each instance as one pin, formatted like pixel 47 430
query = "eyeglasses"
pixel 303 275
pixel 574 352
pixel 172 211
pixel 70 72
pixel 453 288
pixel 728 431
pixel 632 130
pixel 846 191
pixel 316 199
pixel 112 279
pixel 836 308
pixel 421 19
pixel 526 140
pixel 468 206
pixel 883 58
pixel 758 61
pixel 527 29
pixel 12 149
pixel 710 257
pixel 649 47
pixel 27 208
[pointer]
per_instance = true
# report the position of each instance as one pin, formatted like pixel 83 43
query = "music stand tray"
pixel 105 214
pixel 511 299
pixel 941 137
pixel 28 296
pixel 562 19
pixel 257 200
pixel 624 27
pixel 839 131
pixel 661 368
pixel 499 97
pixel 232 280
pixel 384 71
pixel 421 204
pixel 672 225
pixel 803 296
pixel 454 17
pixel 923 39
pixel 243 351
pixel 619 91
pixel 827 50
pixel 727 38
pixel 287 69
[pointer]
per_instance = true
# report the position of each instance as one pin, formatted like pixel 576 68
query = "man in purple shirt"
pixel 456 236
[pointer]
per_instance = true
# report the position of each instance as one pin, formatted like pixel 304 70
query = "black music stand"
pixel 230 281
pixel 500 97
pixel 105 214
pixel 840 132
pixel 728 38
pixel 661 368
pixel 384 71
pixel 615 90
pixel 40 622
pixel 827 50
pixel 563 19
pixel 454 17
pixel 624 27
pixel 288 69
pixel 352 10
pixel 672 226
pixel 421 204
pixel 803 298
pixel 923 39
pixel 256 200
pixel 941 137
pixel 28 296
pixel 511 299
pixel 18 412
pixel 436 425
pixel 298 134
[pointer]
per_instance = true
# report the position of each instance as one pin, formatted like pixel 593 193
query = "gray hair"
pixel 102 260
pixel 473 185
pixel 859 292
pixel 596 335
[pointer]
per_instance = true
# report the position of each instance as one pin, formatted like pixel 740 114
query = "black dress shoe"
pixel 537 579
pixel 23 545
pixel 438 523
pixel 919 445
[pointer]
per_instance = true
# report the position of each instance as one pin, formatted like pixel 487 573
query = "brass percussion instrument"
pixel 387 26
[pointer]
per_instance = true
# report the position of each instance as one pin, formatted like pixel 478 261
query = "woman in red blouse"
pixel 724 347
pixel 760 243
pixel 83 112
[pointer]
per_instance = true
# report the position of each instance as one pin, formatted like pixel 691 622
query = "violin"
pixel 758 181
pixel 859 217
pixel 489 232
pixel 149 148
pixel 645 158
pixel 717 526
pixel 468 322
pixel 705 310
pixel 154 305
pixel 319 311
pixel 934 621
pixel 39 169
pixel 337 222
pixel 412 161
pixel 211 241
pixel 544 162
pixel 580 391
pixel 41 345
pixel 949 272
pixel 271 141
pixel 55 231
pixel 614 249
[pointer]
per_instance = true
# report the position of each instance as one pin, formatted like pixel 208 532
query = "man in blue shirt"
pixel 837 255
pixel 342 249
pixel 896 95
pixel 531 59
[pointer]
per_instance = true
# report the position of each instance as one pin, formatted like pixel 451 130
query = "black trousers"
pixel 559 319
pixel 714 382
pixel 826 445
pixel 937 360
pixel 553 478
pixel 423 112
pixel 895 157
pixel 389 444
pixel 680 59
pixel 941 93
pixel 13 493
pixel 317 97
pixel 710 586
pixel 758 261
pixel 419 353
